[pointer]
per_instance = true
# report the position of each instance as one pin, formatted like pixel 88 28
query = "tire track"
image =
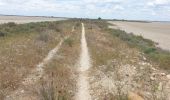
pixel 35 74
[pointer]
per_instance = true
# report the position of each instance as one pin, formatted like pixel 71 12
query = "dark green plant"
pixel 69 42
pixel 2 34
pixel 99 18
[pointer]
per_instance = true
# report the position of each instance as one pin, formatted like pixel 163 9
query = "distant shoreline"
pixel 157 31
pixel 27 19
pixel 141 21
pixel 33 16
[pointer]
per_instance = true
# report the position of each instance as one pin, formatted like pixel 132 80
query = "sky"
pixel 108 9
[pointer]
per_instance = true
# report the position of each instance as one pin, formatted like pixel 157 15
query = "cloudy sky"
pixel 113 9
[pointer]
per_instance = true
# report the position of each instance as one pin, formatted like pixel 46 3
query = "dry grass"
pixel 59 77
pixel 148 47
pixel 118 68
pixel 62 69
pixel 156 31
pixel 105 50
pixel 21 50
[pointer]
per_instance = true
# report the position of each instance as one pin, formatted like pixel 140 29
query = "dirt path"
pixel 35 74
pixel 83 84
pixel 39 69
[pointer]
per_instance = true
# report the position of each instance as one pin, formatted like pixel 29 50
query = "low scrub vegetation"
pixel 44 36
pixel 69 42
pixel 2 34
pixel 12 28
pixel 23 46
pixel 147 46
pixel 47 91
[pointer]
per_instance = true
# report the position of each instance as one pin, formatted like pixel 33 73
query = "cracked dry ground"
pixel 118 71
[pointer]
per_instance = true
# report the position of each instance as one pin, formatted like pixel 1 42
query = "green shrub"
pixel 14 29
pixel 77 25
pixel 149 50
pixel 99 18
pixel 69 42
pixel 11 24
pixel 2 34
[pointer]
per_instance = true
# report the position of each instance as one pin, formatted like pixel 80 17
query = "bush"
pixel 44 37
pixel 2 34
pixel 99 18
pixel 149 50
pixel 69 42
pixel 77 24
pixel 12 28
pixel 11 24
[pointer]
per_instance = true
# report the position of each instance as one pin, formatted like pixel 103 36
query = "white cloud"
pixel 133 9
pixel 1 4
pixel 38 5
pixel 101 1
pixel 158 2
pixel 118 7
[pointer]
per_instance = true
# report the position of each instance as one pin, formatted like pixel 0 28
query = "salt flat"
pixel 27 19
pixel 157 31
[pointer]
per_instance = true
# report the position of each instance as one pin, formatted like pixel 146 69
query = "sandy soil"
pixel 83 84
pixel 157 31
pixel 24 19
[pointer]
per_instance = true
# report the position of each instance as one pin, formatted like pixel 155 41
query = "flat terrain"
pixel 75 60
pixel 26 19
pixel 157 31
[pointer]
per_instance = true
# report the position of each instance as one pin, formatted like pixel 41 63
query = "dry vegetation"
pixel 120 70
pixel 156 31
pixel 123 65
pixel 23 47
pixel 147 46
pixel 63 68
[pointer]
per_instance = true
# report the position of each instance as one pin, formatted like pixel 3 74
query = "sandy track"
pixel 39 69
pixel 26 19
pixel 35 75
pixel 157 31
pixel 83 84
